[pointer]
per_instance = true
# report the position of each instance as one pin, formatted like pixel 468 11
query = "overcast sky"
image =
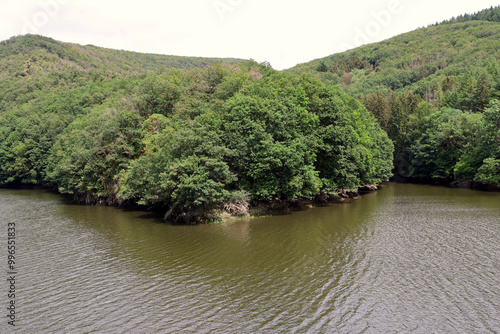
pixel 282 32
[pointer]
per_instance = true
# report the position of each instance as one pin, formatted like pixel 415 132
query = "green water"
pixel 405 259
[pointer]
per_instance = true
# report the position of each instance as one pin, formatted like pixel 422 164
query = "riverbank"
pixel 448 182
pixel 226 211
pixel 218 212
pixel 221 212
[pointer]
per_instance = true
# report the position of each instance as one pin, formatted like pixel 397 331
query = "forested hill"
pixel 197 143
pixel 33 53
pixel 435 91
pixel 31 65
pixel 412 61
pixel 492 14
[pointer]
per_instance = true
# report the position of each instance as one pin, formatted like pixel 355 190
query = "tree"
pixel 380 107
pixel 482 92
pixel 322 67
pixel 403 107
pixel 433 95
pixel 88 157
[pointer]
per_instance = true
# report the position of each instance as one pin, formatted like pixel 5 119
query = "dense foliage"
pixel 186 139
pixel 432 91
pixel 415 61
pixel 457 144
pixel 281 136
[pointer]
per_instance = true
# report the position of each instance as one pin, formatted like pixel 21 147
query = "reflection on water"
pixel 406 259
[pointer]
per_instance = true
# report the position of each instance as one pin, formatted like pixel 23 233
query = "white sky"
pixel 282 32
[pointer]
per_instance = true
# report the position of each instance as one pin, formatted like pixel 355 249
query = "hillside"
pixel 44 54
pixel 434 91
pixel 31 64
pixel 412 61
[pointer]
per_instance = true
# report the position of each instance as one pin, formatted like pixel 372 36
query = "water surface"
pixel 405 259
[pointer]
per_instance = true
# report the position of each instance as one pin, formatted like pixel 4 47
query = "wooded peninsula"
pixel 203 139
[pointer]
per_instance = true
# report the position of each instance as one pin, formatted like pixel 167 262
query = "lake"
pixel 405 259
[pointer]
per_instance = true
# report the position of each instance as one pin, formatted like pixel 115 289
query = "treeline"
pixel 415 60
pixel 457 144
pixel 412 61
pixel 471 91
pixel 50 53
pixel 453 135
pixel 492 14
pixel 193 142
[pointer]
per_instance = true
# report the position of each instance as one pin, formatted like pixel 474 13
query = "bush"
pixel 489 172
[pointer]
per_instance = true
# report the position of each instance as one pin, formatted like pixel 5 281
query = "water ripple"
pixel 382 264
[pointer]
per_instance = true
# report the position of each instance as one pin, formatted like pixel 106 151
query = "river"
pixel 405 259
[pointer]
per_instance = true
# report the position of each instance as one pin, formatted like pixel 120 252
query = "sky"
pixel 281 32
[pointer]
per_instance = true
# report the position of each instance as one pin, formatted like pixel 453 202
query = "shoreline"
pixel 214 213
pixel 230 211
pixel 446 182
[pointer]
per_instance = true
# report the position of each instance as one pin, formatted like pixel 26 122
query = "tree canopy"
pixel 187 139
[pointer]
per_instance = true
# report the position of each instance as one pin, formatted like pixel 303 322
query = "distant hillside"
pixel 413 61
pixel 32 65
pixel 46 53
pixel 435 91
